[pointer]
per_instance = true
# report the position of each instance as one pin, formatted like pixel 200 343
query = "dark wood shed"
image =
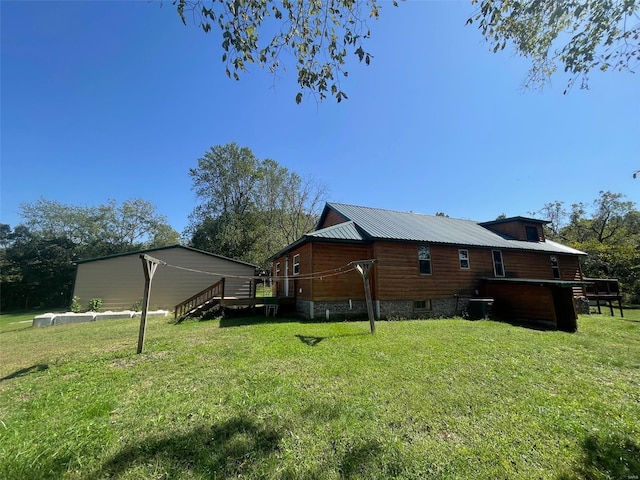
pixel 548 301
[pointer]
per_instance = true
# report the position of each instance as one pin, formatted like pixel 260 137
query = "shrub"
pixel 95 304
pixel 75 304
pixel 137 306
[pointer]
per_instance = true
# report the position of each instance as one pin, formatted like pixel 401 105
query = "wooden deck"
pixel 605 290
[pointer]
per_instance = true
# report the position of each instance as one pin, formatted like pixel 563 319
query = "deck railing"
pixel 214 291
pixel 605 290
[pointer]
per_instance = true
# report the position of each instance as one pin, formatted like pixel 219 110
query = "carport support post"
pixel 149 266
pixel 364 268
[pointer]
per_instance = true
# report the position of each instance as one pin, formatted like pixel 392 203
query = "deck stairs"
pixel 201 302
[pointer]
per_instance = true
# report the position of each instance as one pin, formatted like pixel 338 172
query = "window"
pixel 555 267
pixel 296 264
pixel 463 255
pixel 498 264
pixel 422 305
pixel 277 270
pixel 424 258
pixel 532 233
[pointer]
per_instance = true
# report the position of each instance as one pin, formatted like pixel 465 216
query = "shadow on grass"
pixel 261 319
pixel 14 330
pixel 26 371
pixel 631 320
pixel 235 448
pixel 255 320
pixel 538 325
pixel 312 341
pixel 610 457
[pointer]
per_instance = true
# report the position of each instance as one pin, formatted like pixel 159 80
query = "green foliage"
pixel 95 304
pixel 256 398
pixel 76 306
pixel 319 36
pixel 249 208
pixel 137 306
pixel 99 230
pixel 36 270
pixel 36 258
pixel 575 36
pixel 608 231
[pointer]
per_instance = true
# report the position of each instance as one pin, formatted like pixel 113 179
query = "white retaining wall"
pixel 49 319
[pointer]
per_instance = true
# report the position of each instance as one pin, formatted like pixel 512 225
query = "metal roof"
pixel 379 224
pixel 151 250
pixel 342 231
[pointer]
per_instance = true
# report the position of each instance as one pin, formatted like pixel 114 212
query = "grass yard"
pixel 257 398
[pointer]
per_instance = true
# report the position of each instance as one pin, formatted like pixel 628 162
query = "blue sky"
pixel 116 100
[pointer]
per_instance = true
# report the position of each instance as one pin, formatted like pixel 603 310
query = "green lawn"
pixel 258 398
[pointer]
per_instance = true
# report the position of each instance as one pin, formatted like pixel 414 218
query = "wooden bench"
pixel 605 290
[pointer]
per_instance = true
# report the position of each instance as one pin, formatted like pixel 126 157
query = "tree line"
pixel 247 209
pixel 608 230
pixel 250 208
pixel 37 257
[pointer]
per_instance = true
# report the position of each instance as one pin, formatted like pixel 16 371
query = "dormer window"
pixel 532 233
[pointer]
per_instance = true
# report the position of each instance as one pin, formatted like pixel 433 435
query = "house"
pixel 119 279
pixel 429 266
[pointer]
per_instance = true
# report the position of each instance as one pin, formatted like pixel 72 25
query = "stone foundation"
pixel 392 309
pixel 331 310
pixel 582 306
pixel 437 308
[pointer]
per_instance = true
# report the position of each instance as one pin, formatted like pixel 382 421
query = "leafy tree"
pixel 608 230
pixel 249 208
pixel 36 270
pixel 318 34
pixel 98 230
pixel 577 36
pixel 292 205
pixel 164 236
pixel 555 213
pixel 37 258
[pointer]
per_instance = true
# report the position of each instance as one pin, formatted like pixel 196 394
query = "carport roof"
pixel 151 250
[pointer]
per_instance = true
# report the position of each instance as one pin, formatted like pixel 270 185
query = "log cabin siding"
pixel 324 257
pixel 339 287
pixel 332 218
pixel 398 275
pixel 538 265
pixel 400 278
pixel 301 284
pixel 516 229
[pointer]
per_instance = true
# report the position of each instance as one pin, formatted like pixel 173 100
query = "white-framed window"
pixel 498 264
pixel 555 266
pixel 424 259
pixel 296 264
pixel 463 255
pixel 278 270
pixel 422 305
